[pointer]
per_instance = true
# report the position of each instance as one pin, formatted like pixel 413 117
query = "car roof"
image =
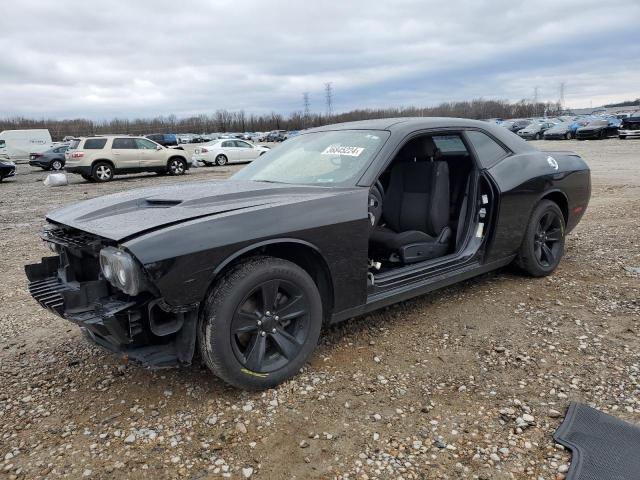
pixel 124 135
pixel 402 126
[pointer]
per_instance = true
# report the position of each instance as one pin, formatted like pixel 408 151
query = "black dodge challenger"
pixel 338 221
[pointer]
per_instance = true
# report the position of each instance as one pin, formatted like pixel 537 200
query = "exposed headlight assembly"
pixel 121 270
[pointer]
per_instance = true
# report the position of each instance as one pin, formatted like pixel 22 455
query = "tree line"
pixel 240 121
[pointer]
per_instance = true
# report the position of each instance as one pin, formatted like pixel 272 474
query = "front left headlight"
pixel 121 270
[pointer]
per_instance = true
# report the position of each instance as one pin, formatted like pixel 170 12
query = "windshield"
pixel 336 158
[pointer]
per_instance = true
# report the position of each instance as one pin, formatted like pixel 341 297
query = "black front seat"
pixel 416 206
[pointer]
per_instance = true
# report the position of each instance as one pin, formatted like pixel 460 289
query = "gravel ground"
pixel 467 382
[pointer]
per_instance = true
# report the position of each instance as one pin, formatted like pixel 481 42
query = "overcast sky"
pixel 99 59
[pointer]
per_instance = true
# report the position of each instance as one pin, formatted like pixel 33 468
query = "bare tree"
pixel 225 121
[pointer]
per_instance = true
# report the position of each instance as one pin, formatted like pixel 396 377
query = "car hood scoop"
pixel 123 215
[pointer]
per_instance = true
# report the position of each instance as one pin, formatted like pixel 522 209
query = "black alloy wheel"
pixel 548 237
pixel 260 323
pixel 270 326
pixel 543 243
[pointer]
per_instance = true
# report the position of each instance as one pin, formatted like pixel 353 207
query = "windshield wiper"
pixel 269 181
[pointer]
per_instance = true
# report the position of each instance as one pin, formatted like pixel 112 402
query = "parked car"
pixel 560 131
pixel 200 140
pixel 223 151
pixel 515 125
pixel 52 159
pixel 7 168
pixel 164 139
pixel 98 159
pixel 276 136
pixel 630 127
pixel 337 222
pixel 534 130
pixel 597 129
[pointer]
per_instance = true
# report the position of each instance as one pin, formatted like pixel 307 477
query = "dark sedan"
pixel 337 222
pixel 516 125
pixel 52 159
pixel 7 169
pixel 596 130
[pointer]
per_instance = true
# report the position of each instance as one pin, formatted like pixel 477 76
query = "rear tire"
pixel 56 165
pixel 260 323
pixel 221 160
pixel 102 172
pixel 543 243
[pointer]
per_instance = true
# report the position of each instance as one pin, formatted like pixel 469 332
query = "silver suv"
pixel 98 159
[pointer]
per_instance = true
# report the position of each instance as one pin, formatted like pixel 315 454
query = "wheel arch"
pixel 172 157
pixel 304 254
pixel 559 198
pixel 105 160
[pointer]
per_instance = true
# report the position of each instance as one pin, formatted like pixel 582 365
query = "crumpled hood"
pixel 123 215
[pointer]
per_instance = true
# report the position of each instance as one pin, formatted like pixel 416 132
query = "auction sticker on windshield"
pixel 343 150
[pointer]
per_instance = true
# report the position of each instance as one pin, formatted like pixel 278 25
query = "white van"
pixel 18 144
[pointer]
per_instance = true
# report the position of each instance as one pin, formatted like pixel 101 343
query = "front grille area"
pixel 71 238
pixel 48 293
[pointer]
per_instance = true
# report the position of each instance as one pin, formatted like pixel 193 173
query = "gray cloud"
pixel 150 57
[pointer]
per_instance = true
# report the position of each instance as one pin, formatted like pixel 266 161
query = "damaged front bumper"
pixel 141 329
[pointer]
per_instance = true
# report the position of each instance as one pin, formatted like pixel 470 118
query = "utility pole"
pixel 561 101
pixel 328 93
pixel 535 100
pixel 307 108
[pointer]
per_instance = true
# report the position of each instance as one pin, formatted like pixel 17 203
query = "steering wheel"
pixel 376 196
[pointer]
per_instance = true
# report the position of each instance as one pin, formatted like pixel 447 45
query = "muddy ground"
pixel 467 382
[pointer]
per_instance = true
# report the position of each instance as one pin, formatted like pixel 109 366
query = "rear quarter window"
pixel 94 143
pixel 488 150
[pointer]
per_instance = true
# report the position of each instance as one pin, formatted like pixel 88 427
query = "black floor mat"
pixel 603 447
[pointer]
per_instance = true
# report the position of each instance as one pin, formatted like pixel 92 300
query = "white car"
pixel 221 152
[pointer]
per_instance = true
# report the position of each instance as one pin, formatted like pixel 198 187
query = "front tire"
pixel 56 165
pixel 260 324
pixel 102 172
pixel 543 244
pixel 176 166
pixel 221 160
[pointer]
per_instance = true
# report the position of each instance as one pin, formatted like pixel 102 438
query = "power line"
pixel 306 103
pixel 328 93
